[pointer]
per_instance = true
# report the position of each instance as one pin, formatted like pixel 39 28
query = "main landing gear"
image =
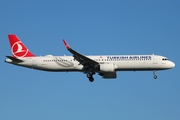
pixel 90 76
pixel 154 72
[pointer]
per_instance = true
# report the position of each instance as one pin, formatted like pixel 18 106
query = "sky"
pixel 94 27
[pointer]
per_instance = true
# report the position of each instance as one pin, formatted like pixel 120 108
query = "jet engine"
pixel 108 75
pixel 107 67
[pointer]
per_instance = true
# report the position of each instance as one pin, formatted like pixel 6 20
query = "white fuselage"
pixel 120 62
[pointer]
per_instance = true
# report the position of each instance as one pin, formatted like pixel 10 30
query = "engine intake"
pixel 107 67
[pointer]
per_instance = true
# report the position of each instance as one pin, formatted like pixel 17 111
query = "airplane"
pixel 105 65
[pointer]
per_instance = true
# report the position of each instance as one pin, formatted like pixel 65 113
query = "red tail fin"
pixel 18 49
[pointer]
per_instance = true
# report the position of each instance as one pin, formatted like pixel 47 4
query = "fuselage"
pixel 120 62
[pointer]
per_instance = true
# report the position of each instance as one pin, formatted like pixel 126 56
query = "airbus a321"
pixel 105 65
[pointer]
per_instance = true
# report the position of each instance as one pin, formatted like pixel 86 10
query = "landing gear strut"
pixel 90 76
pixel 154 72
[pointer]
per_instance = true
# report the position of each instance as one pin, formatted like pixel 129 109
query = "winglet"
pixel 66 44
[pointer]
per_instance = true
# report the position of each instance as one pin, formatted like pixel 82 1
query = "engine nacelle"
pixel 109 75
pixel 107 67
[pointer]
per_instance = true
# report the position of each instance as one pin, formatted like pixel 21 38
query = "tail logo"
pixel 19 50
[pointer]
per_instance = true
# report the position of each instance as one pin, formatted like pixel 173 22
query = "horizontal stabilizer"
pixel 14 59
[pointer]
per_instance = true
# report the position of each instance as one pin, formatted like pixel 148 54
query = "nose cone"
pixel 172 64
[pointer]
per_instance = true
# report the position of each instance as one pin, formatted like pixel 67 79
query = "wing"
pixel 89 65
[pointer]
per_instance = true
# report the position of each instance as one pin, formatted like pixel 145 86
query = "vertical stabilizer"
pixel 18 49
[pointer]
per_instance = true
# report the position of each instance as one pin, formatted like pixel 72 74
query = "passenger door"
pixel 155 59
pixel 34 63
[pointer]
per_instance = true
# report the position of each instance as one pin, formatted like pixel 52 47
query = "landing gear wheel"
pixel 91 79
pixel 90 76
pixel 154 72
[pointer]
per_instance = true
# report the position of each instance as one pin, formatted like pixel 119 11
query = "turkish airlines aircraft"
pixel 105 65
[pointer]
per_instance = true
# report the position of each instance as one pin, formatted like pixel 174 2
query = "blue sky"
pixel 91 27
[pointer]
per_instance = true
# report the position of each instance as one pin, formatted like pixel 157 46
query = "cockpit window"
pixel 164 59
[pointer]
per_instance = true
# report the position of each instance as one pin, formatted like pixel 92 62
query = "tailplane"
pixel 18 49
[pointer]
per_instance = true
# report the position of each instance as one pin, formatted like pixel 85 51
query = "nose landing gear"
pixel 154 72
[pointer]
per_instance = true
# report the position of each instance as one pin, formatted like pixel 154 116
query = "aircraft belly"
pixel 134 65
pixel 52 67
pixel 27 63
